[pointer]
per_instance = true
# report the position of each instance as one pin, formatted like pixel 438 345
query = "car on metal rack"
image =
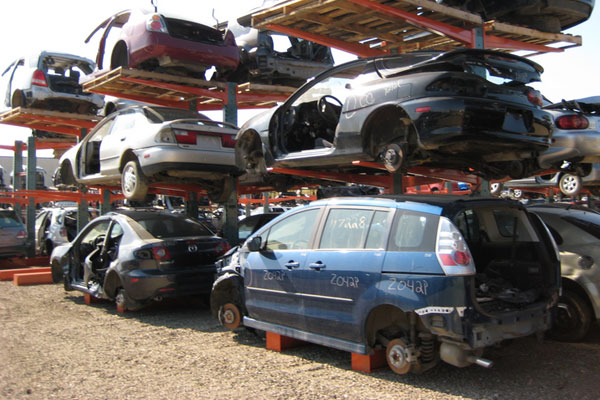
pixel 138 145
pixel 159 42
pixel 463 109
pixel 49 80
pixel 13 235
pixel 422 276
pixel 576 231
pixel 134 257
pixel 547 16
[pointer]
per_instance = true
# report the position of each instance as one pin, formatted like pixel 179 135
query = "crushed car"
pixel 159 42
pixel 423 108
pixel 139 145
pixel 50 81
pixel 423 277
pixel 134 257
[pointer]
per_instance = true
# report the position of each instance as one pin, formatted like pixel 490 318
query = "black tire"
pixel 134 184
pixel 570 185
pixel 125 303
pixel 57 272
pixel 47 248
pixel 572 318
pixel 496 188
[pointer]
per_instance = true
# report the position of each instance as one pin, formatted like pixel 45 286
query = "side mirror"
pixel 255 243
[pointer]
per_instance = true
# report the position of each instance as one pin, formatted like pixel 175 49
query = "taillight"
pixel 572 122
pixel 185 137
pixel 38 78
pixel 228 141
pixel 452 250
pixel 63 232
pixel 534 97
pixel 161 253
pixel 222 248
pixel 22 234
pixel 156 24
pixel 166 136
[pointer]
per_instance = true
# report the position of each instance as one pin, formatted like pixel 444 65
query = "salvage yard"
pixel 52 345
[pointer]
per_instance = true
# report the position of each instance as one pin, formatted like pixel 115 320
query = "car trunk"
pixel 187 30
pixel 515 260
pixel 194 253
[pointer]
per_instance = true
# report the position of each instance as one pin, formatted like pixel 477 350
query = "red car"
pixel 152 41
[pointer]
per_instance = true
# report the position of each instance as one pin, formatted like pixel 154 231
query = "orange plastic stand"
pixel 369 363
pixel 35 278
pixel 8 274
pixel 89 299
pixel 279 342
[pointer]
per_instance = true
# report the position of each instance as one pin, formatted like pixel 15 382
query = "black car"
pixel 134 257
pixel 462 109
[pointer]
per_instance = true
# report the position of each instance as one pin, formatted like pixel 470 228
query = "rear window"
pixel 414 231
pixel 164 226
pixel 9 219
pixel 158 115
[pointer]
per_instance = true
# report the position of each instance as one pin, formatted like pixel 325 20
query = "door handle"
pixel 317 266
pixel 292 264
pixel 123 139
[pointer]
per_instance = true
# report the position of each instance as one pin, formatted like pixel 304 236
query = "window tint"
pixel 505 220
pixel 293 232
pixel 414 232
pixel 468 225
pixel 346 229
pixel 97 230
pixel 164 226
pixel 377 231
pixel 125 121
pixel 588 222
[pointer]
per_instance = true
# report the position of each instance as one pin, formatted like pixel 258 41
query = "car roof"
pixel 561 206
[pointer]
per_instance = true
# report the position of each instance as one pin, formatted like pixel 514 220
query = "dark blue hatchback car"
pixel 422 277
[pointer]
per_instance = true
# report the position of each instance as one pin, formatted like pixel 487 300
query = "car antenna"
pixel 215 18
pixel 155 5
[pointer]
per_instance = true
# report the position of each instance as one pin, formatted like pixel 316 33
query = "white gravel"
pixel 53 346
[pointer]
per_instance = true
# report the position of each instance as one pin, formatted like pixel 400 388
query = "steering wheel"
pixel 98 241
pixel 329 109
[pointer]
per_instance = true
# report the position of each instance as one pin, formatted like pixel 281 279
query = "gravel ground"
pixel 52 345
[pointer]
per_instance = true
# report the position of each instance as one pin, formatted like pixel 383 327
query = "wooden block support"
pixel 89 299
pixel 8 274
pixel 369 363
pixel 279 342
pixel 35 278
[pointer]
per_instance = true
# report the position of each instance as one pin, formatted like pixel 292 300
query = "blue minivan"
pixel 423 277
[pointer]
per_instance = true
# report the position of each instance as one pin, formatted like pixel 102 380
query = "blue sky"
pixel 62 25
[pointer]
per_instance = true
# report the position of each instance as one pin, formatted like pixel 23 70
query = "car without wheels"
pixel 139 145
pixel 464 109
pixel 423 277
pixel 134 257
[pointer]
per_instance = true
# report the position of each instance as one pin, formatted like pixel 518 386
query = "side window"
pixel 377 231
pixel 124 122
pixel 414 231
pixel 346 229
pixel 293 232
pixel 468 225
pixel 102 131
pixel 97 230
pixel 505 220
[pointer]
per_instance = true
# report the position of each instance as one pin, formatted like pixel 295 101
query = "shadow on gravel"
pixel 176 313
pixel 523 368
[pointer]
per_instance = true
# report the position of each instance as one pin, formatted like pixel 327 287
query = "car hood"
pixel 259 122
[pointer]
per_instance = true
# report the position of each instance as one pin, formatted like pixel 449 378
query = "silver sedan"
pixel 138 145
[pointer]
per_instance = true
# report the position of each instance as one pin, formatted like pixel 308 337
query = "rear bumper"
pixel 580 146
pixel 39 94
pixel 145 285
pixel 13 251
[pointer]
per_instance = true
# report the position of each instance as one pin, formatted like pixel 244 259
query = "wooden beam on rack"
pixel 52 121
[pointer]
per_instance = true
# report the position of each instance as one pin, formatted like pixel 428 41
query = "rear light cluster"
pixel 63 232
pixel 452 250
pixel 572 122
pixel 182 136
pixel 458 86
pixel 22 234
pixel 222 248
pixel 156 24
pixel 534 97
pixel 39 79
pixel 156 252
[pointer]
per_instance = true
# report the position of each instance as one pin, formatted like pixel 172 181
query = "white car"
pixel 139 145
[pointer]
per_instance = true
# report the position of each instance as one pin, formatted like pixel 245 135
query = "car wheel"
pixel 133 182
pixel 393 157
pixel 221 192
pixel 57 272
pixel 396 356
pixel 496 188
pixel 517 194
pixel 125 303
pixel 18 99
pixel 230 316
pixel 572 318
pixel 570 185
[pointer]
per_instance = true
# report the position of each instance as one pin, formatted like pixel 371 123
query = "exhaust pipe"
pixel 158 298
pixel 461 357
pixel 482 362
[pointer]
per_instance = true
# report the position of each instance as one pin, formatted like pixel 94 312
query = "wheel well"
pixel 127 156
pixel 384 126
pixel 227 289
pixel 572 286
pixel 385 317
pixel 119 47
pixel 67 176
pixel 111 283
pixel 248 144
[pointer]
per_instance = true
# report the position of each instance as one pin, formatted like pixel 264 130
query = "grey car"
pixel 138 145
pixel 50 81
pixel 576 231
pixel 13 235
pixel 55 226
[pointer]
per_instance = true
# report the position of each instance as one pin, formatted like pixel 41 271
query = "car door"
pixel 89 152
pixel 115 142
pixel 270 274
pixel 42 224
pixel 6 82
pixel 343 269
